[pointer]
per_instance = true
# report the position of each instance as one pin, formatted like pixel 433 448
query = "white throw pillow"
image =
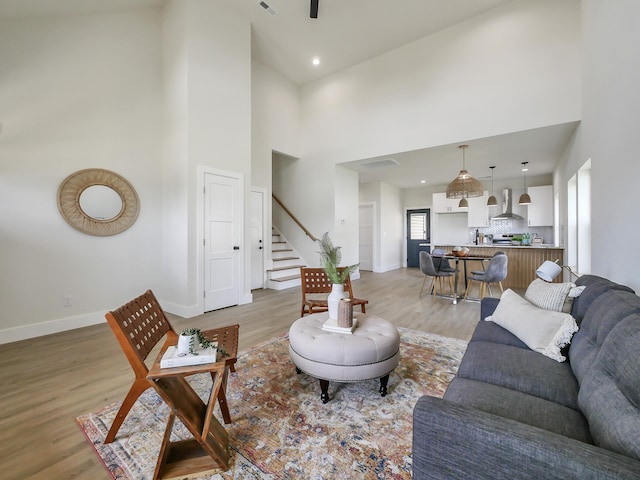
pixel 544 331
pixel 552 296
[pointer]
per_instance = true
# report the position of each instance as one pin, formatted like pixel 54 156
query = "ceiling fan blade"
pixel 314 9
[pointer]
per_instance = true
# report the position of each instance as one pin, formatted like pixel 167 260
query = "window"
pixel 418 226
pixel 579 220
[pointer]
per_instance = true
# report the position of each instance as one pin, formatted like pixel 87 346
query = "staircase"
pixel 286 264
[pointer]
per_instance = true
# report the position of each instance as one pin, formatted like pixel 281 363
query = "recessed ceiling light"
pixel 316 61
pixel 423 181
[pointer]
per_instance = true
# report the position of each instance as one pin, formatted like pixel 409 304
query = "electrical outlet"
pixel 67 301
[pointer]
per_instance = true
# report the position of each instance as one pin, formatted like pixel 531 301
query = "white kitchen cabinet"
pixel 540 212
pixel 478 211
pixel 442 204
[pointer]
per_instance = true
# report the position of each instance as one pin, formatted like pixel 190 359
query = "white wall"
pixel 515 68
pixel 76 92
pixel 389 220
pixel 275 127
pixel 611 115
pixel 275 109
pixel 346 217
pixel 207 95
pixel 391 228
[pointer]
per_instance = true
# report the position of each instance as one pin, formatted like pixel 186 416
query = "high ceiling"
pixel 348 32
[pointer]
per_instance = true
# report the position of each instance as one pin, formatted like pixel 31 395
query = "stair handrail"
pixel 294 218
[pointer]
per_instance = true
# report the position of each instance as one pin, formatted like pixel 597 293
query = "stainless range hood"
pixel 507 207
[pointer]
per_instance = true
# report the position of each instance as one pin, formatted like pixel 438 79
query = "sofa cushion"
pixel 520 369
pixel 595 286
pixel 610 391
pixel 519 406
pixel 552 296
pixel 543 331
pixel 494 333
pixel 606 311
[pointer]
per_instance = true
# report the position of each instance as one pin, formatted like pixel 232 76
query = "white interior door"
pixel 365 242
pixel 223 218
pixel 257 239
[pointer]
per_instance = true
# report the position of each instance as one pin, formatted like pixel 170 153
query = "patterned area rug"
pixel 281 428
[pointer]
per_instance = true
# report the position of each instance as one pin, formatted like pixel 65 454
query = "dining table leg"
pixel 455 281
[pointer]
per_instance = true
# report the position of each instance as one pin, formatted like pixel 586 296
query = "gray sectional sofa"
pixel 512 413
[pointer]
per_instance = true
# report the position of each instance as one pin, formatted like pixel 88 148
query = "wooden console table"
pixel 208 450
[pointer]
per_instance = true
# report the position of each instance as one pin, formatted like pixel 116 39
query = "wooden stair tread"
pixel 285 279
pixel 277 269
pixel 285 258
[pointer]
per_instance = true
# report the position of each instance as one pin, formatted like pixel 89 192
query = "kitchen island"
pixel 523 261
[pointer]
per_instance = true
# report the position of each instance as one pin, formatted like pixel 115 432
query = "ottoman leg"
pixel 383 384
pixel 298 371
pixel 324 388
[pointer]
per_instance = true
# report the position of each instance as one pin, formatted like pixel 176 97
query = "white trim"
pixel 183 311
pixel 34 330
pixel 266 236
pixel 388 268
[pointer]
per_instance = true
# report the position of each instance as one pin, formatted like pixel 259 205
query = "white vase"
pixel 185 342
pixel 333 300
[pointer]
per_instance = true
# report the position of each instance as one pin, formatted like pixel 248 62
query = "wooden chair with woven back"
pixel 139 326
pixel 315 286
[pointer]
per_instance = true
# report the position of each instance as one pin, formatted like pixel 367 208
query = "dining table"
pixel 464 259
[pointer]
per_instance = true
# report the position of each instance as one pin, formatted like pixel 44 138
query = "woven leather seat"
pixel 316 286
pixel 139 325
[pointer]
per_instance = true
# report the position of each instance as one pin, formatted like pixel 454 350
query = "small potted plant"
pixel 194 339
pixel 330 257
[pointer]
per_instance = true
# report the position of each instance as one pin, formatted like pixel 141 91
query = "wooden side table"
pixel 208 450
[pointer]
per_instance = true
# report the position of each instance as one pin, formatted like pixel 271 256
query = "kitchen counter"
pixel 524 260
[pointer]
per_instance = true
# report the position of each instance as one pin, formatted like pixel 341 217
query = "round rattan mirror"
pixel 83 206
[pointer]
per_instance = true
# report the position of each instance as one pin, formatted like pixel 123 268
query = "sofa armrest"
pixel 453 441
pixel 488 306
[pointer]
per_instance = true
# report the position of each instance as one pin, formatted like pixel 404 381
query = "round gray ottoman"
pixel 371 351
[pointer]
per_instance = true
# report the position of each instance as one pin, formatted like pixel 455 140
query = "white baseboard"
pixel 183 311
pixel 15 334
pixel 194 310
pixel 246 298
pixel 387 268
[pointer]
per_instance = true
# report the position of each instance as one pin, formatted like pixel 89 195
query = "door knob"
pixel 236 247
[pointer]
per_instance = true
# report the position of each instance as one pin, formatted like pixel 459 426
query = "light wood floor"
pixel 48 381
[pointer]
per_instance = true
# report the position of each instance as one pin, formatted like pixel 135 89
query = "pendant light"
pixel 463 203
pixel 525 199
pixel 464 185
pixel 492 201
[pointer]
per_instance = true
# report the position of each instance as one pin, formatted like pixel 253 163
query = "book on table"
pixel 172 358
pixel 331 325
